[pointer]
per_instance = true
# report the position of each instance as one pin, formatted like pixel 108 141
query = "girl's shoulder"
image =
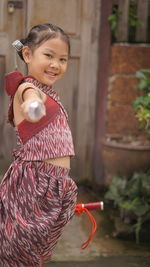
pixel 12 80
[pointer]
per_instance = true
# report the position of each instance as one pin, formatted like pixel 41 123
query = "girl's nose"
pixel 54 63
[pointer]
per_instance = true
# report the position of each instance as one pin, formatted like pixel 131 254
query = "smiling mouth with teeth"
pixel 51 74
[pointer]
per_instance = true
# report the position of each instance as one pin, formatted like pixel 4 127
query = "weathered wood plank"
pixel 101 97
pixel 123 20
pixel 65 14
pixel 2 71
pixel 6 135
pixel 3 44
pixel 142 12
pixel 86 95
pixel 12 27
pixel 2 20
pixel 75 48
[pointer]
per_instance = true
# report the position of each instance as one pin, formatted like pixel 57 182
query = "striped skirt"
pixel 37 199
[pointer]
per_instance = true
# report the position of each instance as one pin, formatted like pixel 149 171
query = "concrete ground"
pixel 103 251
pixel 106 262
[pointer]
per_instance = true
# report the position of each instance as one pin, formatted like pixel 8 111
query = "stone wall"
pixel 125 61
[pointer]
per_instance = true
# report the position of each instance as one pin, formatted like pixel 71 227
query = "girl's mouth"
pixel 51 74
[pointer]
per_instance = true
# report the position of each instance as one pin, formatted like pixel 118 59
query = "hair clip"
pixel 17 45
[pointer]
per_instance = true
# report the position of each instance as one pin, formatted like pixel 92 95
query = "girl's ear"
pixel 26 53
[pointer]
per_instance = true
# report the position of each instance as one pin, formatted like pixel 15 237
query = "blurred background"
pixel 106 92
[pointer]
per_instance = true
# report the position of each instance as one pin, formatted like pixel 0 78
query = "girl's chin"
pixel 47 82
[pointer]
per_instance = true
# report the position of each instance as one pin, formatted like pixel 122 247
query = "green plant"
pixel 133 196
pixel 113 20
pixel 133 21
pixel 142 103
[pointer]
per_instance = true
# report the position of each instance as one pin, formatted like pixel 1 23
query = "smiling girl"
pixel 37 196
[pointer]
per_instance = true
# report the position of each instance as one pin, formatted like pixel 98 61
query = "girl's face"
pixel 48 62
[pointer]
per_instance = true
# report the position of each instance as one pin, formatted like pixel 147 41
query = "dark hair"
pixel 41 33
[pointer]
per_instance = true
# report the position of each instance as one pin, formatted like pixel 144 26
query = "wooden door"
pixel 12 25
pixel 80 19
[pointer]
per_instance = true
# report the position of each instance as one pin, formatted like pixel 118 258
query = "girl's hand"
pixel 33 110
pixel 31 103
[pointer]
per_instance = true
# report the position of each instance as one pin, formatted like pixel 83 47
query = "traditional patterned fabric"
pixel 55 142
pixel 55 138
pixel 37 199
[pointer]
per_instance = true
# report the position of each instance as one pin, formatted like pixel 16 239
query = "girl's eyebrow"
pixel 52 51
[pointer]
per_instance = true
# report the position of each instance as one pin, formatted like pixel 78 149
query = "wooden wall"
pixel 80 19
pixel 12 26
pixel 133 20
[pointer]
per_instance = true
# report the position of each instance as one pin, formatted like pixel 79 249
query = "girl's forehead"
pixel 55 44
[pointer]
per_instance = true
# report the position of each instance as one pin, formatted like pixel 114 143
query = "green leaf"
pixel 142 84
pixel 116 190
pixel 140 74
pixel 137 206
pixel 138 227
pixel 144 71
pixel 133 187
pixel 146 185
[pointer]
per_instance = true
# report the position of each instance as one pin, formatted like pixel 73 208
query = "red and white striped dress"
pixel 37 198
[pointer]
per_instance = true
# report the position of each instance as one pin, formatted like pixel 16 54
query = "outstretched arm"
pixel 32 101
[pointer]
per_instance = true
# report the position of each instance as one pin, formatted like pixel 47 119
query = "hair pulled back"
pixel 41 33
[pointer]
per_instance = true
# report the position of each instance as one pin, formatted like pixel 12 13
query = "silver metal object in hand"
pixel 36 110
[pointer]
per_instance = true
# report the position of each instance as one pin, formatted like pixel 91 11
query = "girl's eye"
pixel 48 55
pixel 63 59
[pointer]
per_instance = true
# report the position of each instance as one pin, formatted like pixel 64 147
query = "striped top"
pixel 52 139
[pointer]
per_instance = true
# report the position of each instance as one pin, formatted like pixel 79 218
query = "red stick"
pixel 92 205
